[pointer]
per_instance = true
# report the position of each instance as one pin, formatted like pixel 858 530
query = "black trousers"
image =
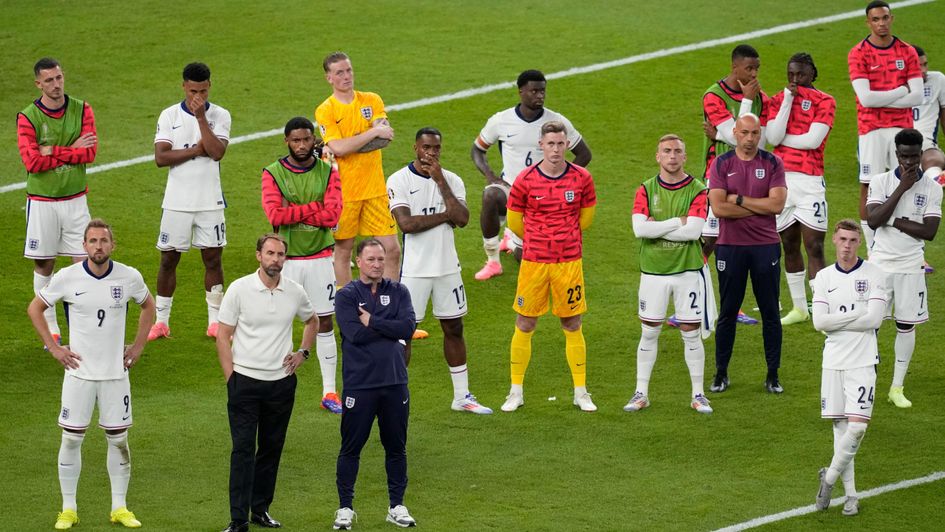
pixel 259 412
pixel 390 405
pixel 735 265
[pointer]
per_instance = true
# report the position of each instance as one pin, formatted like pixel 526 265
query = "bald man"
pixel 747 191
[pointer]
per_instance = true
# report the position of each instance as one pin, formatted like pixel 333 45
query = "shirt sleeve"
pixel 325 118
pixel 139 290
pixel 164 127
pixel 855 64
pixel 306 310
pixel 826 109
pixel 589 196
pixel 29 148
pixel 458 187
pixel 716 179
pixel 817 289
pixel 222 128
pixel 574 136
pixel 934 208
pixel 377 105
pixel 396 191
pixel 765 105
pixel 777 174
pixel 700 205
pixel 490 132
pixel 875 192
pixel 715 110
pixel 70 155
pixel 641 203
pixel 518 196
pixel 913 70
pixel 55 290
pixel 230 307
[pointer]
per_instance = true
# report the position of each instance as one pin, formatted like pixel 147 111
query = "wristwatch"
pixel 739 199
pixel 305 353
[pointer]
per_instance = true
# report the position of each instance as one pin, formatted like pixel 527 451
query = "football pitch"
pixel 547 466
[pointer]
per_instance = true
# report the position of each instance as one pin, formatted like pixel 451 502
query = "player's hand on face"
pixel 67 358
pixel 710 130
pixel 87 140
pixel 197 107
pixel 751 89
pixel 431 165
pixel 364 316
pixel 132 354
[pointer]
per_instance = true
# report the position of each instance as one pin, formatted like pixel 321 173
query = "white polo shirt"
pixel 263 323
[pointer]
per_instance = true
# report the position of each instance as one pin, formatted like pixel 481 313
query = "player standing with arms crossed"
pixel 516 131
pixel 799 120
pixel 887 81
pixel 355 128
pixel 904 208
pixel 301 196
pixel 56 138
pixel 191 138
pixel 98 292
pixel 668 214
pixel 550 205
pixel 428 201
pixel 848 306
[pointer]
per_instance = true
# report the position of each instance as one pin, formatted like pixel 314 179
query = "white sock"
pixel 70 465
pixel 795 283
pixel 846 450
pixel 868 235
pixel 491 245
pixel 516 389
pixel 214 298
pixel 905 345
pixel 163 306
pixel 326 348
pixel 646 356
pixel 460 377
pixel 695 359
pixel 849 485
pixel 40 282
pixel 119 467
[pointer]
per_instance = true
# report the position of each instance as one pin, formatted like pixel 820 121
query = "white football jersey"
pixel 192 186
pixel 518 139
pixel 925 116
pixel 429 253
pixel 893 250
pixel 97 309
pixel 844 291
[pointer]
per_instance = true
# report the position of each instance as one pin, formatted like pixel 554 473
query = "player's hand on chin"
pixel 65 357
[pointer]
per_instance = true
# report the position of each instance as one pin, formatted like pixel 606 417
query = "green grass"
pixel 547 467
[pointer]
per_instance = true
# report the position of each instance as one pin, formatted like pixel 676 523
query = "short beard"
pixel 100 262
pixel 272 271
pixel 301 161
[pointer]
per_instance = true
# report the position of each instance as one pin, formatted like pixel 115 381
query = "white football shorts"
pixel 686 290
pixel 806 202
pixel 847 392
pixel 80 395
pixel 317 277
pixel 55 228
pixel 449 295
pixel 876 152
pixel 203 229
pixel 910 300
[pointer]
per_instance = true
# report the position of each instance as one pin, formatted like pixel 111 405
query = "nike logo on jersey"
pixel 730 174
pixel 832 289
pixel 339 120
pixel 405 400
pixel 77 294
pixel 510 135
pixel 775 263
pixel 539 197
pixel 415 191
pixel 874 67
pixel 174 127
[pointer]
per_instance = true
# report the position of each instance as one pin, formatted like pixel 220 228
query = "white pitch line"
pixel 804 510
pixel 576 71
